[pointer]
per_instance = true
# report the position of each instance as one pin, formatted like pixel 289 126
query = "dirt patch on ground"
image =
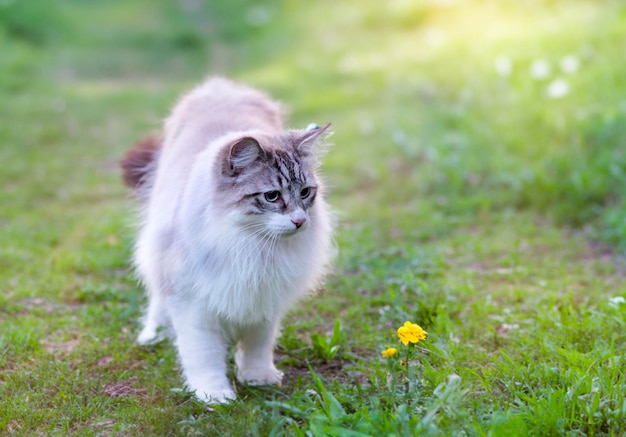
pixel 40 304
pixel 339 370
pixel 60 349
pixel 123 389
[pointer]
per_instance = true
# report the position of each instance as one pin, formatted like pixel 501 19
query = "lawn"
pixel 478 176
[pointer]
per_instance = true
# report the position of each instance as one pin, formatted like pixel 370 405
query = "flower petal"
pixel 411 333
pixel 389 352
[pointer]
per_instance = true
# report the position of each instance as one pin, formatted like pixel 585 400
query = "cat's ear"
pixel 243 153
pixel 306 143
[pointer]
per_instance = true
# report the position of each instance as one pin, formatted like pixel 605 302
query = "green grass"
pixel 469 202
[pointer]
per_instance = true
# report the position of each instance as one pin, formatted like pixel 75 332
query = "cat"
pixel 233 230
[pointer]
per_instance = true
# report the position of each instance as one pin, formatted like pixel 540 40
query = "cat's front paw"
pixel 151 335
pixel 260 376
pixel 212 396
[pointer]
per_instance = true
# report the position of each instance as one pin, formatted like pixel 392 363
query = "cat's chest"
pixel 257 263
pixel 250 284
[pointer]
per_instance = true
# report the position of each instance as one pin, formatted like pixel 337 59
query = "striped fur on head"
pixel 271 174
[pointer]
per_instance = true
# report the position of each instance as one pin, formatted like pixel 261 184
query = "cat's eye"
pixel 305 192
pixel 272 196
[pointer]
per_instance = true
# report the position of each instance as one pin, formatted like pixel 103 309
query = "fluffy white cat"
pixel 234 229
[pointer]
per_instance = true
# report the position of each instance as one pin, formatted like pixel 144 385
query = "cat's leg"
pixel 156 315
pixel 201 345
pixel 255 354
pixel 147 260
pixel 155 318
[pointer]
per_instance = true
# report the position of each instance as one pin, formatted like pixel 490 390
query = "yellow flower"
pixel 411 333
pixel 389 352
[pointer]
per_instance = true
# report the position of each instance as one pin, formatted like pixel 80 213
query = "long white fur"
pixel 217 276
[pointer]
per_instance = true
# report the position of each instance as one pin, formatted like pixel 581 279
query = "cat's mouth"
pixel 289 233
pixel 286 233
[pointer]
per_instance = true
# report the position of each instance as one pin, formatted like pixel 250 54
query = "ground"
pixel 477 176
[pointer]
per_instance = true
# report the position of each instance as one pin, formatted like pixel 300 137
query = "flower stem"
pixel 406 365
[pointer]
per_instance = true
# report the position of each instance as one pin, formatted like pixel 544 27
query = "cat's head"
pixel 269 181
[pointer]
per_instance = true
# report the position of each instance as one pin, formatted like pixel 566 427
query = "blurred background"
pixel 441 108
pixel 478 172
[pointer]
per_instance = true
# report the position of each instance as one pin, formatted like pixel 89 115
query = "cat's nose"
pixel 298 221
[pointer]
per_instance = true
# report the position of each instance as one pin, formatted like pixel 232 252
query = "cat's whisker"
pixel 253 252
pixel 270 271
pixel 265 252
pixel 253 226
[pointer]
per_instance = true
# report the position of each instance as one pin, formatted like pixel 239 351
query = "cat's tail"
pixel 139 164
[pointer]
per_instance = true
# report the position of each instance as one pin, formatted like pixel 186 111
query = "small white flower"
pixel 503 65
pixel 539 69
pixel 366 128
pixel 616 301
pixel 399 137
pixel 569 64
pixel 258 16
pixel 558 88
pixel 454 380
